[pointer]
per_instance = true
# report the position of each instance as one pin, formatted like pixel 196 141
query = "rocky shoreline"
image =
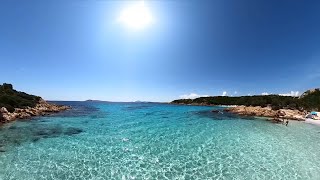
pixel 276 115
pixel 41 109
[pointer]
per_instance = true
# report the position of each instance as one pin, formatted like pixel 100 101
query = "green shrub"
pixel 10 98
pixel 309 101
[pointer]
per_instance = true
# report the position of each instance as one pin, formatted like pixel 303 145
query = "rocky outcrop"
pixel 41 109
pixel 267 112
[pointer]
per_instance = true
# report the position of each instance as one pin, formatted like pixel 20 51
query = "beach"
pixel 312 121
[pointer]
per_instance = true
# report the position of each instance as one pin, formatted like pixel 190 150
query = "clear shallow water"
pixel 156 141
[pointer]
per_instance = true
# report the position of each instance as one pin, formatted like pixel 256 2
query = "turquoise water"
pixel 156 141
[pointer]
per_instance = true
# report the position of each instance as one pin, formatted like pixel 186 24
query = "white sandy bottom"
pixel 311 121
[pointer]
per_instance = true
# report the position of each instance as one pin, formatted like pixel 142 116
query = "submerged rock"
pixel 13 127
pixel 71 131
pixel 48 132
pixel 35 139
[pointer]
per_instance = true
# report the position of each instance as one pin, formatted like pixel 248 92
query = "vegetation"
pixel 309 101
pixel 10 98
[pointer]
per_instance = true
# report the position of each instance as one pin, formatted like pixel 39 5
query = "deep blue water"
pixel 156 141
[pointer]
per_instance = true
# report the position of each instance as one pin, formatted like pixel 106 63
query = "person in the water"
pixel 287 122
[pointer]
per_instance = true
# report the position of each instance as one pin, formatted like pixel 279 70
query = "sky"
pixel 78 49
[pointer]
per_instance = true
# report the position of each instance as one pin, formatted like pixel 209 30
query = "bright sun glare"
pixel 136 16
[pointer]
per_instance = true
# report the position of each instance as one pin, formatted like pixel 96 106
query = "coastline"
pixel 41 109
pixel 268 112
pixel 257 111
pixel 272 106
pixel 193 104
pixel 203 104
pixel 312 121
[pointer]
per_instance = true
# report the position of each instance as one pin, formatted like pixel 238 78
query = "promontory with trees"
pixel 19 105
pixel 264 105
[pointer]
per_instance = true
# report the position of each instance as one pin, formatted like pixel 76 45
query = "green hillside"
pixel 10 98
pixel 310 100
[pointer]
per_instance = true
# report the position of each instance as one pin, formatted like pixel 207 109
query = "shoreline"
pixel 257 111
pixel 312 121
pixel 41 109
pixel 268 112
pixel 193 104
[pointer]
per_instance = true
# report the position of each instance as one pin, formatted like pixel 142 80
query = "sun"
pixel 136 16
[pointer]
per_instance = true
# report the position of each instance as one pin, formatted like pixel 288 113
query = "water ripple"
pixel 157 142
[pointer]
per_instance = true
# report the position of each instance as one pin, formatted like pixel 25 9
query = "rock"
pixel 23 115
pixel 267 112
pixel 13 127
pixel 35 139
pixel 8 117
pixel 3 110
pixel 42 108
pixel 71 131
pixel 1 118
pixel 276 120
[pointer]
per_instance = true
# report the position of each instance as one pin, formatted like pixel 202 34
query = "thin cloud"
pixel 224 93
pixel 292 93
pixel 192 96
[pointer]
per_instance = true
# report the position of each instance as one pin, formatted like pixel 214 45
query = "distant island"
pixel 20 105
pixel 263 105
pixel 94 100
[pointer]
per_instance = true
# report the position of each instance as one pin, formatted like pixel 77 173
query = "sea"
pixel 123 141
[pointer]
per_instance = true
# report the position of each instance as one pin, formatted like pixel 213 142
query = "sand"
pixel 311 121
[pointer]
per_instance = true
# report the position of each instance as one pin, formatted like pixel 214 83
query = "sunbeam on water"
pixel 156 141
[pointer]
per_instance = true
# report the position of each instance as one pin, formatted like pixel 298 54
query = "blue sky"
pixel 76 50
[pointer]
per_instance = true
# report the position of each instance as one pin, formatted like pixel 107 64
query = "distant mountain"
pixel 91 100
pixel 142 102
pixel 147 102
pixel 10 98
